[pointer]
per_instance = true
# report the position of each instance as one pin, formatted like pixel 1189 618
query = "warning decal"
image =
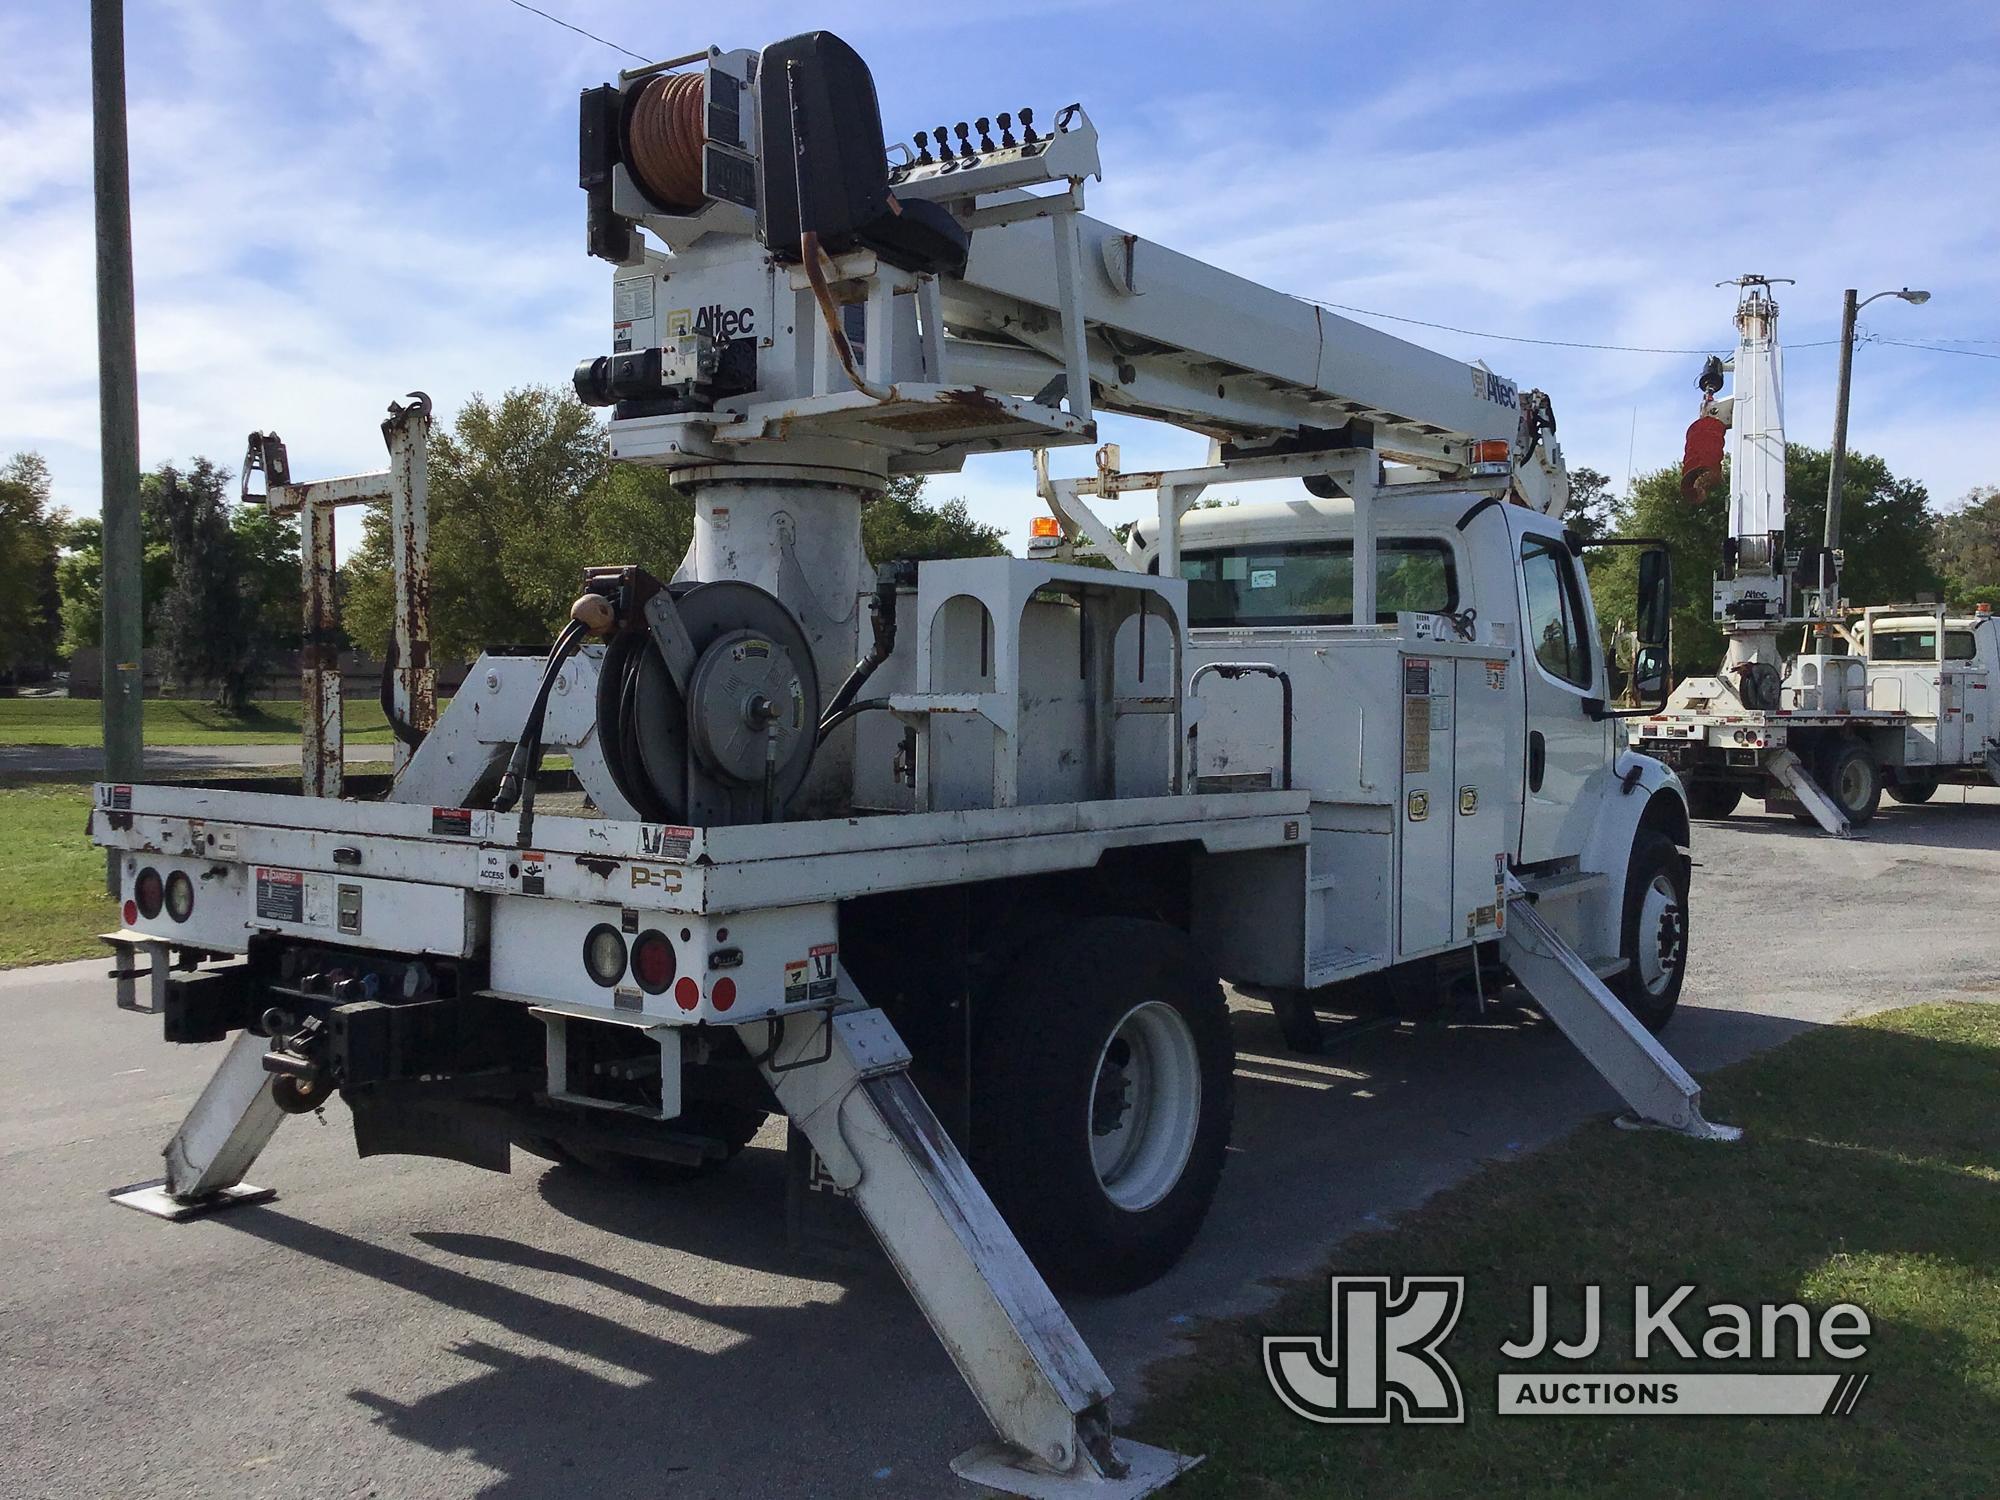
pixel 281 895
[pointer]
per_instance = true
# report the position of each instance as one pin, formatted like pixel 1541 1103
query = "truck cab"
pixel 1939 669
pixel 1465 732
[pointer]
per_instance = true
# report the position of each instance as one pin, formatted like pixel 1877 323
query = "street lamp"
pixel 1837 468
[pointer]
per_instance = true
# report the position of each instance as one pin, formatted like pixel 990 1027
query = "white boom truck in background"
pixel 1901 702
pixel 961 918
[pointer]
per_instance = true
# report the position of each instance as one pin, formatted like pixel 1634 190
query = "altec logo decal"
pixel 1382 1360
pixel 718 322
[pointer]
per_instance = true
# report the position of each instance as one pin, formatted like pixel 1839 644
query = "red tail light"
pixel 653 962
pixel 148 892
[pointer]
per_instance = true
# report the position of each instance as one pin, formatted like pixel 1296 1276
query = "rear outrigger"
pixel 962 918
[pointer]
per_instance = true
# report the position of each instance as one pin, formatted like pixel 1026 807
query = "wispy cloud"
pixel 339 202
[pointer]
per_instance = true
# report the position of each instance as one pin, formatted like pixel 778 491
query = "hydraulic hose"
pixel 882 615
pixel 518 783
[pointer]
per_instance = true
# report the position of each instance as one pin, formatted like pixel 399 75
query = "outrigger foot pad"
pixel 999 1466
pixel 153 1198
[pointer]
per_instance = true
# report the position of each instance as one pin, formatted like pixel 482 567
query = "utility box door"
pixel 1424 816
pixel 1486 779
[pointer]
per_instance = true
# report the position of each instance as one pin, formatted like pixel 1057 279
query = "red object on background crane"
pixel 1701 462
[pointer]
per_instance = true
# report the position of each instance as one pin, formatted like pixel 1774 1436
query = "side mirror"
pixel 1656 597
pixel 1648 643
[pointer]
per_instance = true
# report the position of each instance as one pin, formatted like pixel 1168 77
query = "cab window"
pixel 1312 583
pixel 1921 645
pixel 1555 610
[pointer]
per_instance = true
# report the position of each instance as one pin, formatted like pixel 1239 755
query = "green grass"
pixel 174 721
pixel 52 901
pixel 1870 1173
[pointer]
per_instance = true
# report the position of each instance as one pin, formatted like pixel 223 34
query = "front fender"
pixel 1655 801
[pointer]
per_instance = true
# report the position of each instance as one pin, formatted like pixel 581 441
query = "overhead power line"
pixel 1936 349
pixel 567 26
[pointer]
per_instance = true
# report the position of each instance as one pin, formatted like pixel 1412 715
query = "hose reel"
pixel 708 702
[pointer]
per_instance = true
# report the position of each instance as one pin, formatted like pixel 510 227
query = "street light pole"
pixel 1837 466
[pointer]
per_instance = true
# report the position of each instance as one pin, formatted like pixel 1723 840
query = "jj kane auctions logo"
pixel 1382 1358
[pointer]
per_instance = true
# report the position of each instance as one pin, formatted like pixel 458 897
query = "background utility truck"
pixel 1900 702
pixel 952 893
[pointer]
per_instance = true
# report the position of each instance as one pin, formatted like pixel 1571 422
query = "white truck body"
pixel 1911 709
pixel 963 933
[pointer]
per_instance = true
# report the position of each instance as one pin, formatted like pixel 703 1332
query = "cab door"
pixel 1569 746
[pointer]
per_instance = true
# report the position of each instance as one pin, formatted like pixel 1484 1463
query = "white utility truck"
pixel 1898 702
pixel 952 892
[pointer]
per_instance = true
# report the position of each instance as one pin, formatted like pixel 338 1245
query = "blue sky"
pixel 337 202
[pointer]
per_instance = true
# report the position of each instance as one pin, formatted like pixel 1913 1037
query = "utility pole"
pixel 117 400
pixel 1836 470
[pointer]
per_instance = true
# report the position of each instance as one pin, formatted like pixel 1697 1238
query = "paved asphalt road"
pixel 407 1328
pixel 87 760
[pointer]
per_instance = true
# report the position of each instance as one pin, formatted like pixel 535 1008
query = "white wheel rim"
pixel 1854 784
pixel 1144 1106
pixel 1659 936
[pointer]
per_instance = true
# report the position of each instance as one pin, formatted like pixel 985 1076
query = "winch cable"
pixel 810 252
pixel 518 783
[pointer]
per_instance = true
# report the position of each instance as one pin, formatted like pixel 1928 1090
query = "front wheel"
pixel 1711 800
pixel 1102 1101
pixel 1913 791
pixel 1853 779
pixel 1653 934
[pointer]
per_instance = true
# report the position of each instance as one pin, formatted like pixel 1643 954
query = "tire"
pixel 1653 931
pixel 1850 776
pixel 1913 792
pixel 1711 800
pixel 1102 1101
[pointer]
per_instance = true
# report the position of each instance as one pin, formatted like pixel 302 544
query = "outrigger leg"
pixel 219 1141
pixel 1792 774
pixel 843 1079
pixel 1662 1094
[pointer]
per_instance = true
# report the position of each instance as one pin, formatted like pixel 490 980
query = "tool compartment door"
pixel 1486 770
pixel 1424 814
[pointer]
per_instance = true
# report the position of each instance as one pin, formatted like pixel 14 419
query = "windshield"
pixel 1920 645
pixel 1312 583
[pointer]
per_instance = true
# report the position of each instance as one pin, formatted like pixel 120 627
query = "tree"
pixel 1886 532
pixel 206 622
pixel 1966 551
pixel 901 523
pixel 524 497
pixel 1591 506
pixel 511 485
pixel 30 611
pixel 80 576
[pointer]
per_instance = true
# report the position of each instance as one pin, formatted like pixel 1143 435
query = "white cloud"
pixel 341 202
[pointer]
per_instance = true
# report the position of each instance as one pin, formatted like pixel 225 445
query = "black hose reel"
pixel 708 703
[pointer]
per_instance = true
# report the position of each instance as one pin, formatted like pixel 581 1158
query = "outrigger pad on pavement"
pixel 153 1198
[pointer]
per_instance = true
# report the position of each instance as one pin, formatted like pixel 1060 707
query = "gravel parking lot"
pixel 404 1328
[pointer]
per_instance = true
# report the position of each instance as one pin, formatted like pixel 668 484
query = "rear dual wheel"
pixel 1103 1099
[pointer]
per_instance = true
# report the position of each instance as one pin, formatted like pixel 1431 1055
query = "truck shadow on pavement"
pixel 629 1367
pixel 1935 825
